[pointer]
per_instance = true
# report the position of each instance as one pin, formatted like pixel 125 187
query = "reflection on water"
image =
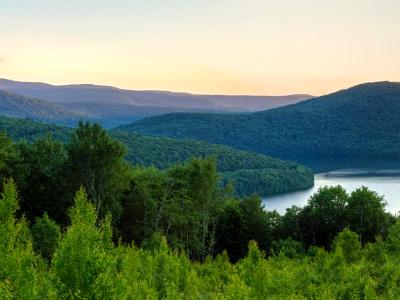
pixel 385 182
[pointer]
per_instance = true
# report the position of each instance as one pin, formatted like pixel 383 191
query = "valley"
pixel 199 150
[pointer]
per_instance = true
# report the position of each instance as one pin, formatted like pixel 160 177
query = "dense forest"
pixel 28 129
pixel 77 221
pixel 360 122
pixel 14 105
pixel 269 176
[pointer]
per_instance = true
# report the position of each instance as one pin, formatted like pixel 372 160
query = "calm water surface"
pixel 385 182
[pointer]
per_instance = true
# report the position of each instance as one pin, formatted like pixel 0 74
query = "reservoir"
pixel 386 182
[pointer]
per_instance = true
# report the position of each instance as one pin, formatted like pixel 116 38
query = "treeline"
pixel 185 202
pixel 272 175
pixel 81 260
pixel 31 130
pixel 269 181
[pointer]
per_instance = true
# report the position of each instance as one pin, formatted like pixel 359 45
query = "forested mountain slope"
pixel 362 121
pixel 14 105
pixel 250 171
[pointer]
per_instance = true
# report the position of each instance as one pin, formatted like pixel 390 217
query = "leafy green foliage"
pixel 38 171
pixel 331 210
pixel 95 161
pixel 46 235
pixel 87 265
pixel 348 245
pixel 240 222
pixel 6 151
pixel 324 215
pixel 84 253
pixel 366 213
pixel 289 248
pixel 250 172
pixel 393 239
pixel 21 273
pixel 182 203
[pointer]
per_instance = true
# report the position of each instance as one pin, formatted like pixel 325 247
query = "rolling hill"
pixel 251 172
pixel 359 122
pixel 113 106
pixel 13 105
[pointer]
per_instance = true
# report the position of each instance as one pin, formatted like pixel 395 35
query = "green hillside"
pixel 260 173
pixel 14 105
pixel 360 122
pixel 30 130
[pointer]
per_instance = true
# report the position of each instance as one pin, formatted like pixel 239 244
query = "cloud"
pixel 2 60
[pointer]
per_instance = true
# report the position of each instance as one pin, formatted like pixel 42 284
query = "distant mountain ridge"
pixel 114 106
pixel 362 121
pixel 14 105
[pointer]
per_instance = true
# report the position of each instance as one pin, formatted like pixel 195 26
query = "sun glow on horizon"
pixel 212 47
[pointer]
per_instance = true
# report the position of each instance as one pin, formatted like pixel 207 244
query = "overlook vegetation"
pixel 161 234
pixel 360 122
pixel 271 175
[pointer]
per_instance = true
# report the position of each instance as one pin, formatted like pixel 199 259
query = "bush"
pixel 46 234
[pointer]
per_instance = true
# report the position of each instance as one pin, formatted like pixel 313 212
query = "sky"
pixel 260 47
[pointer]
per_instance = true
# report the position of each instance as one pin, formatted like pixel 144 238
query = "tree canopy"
pixel 250 172
pixel 86 264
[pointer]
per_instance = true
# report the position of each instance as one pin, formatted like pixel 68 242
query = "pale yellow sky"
pixel 220 46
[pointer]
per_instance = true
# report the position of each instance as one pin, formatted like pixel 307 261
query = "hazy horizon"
pixel 212 47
